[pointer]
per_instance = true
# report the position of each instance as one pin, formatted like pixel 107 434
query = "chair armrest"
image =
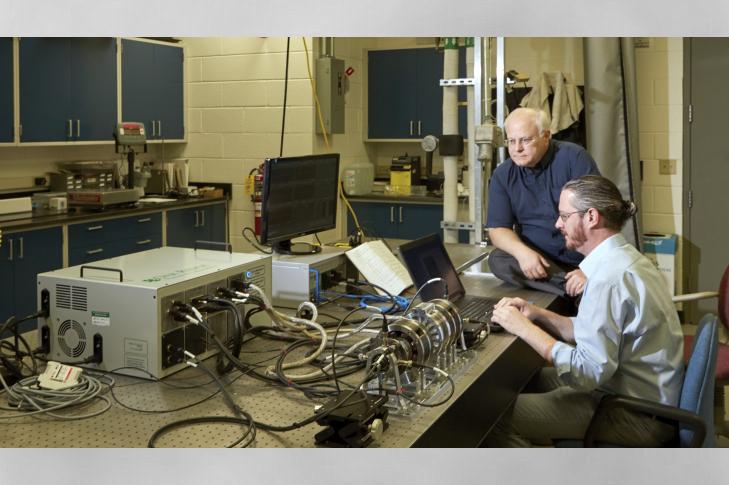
pixel 694 296
pixel 679 416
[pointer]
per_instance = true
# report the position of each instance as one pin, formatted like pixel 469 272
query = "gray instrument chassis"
pixel 126 305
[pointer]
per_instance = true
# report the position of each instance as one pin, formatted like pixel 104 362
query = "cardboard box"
pixel 661 249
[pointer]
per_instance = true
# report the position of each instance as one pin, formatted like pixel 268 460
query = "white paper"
pixel 379 266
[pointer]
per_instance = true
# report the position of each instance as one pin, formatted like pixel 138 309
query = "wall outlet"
pixel 667 167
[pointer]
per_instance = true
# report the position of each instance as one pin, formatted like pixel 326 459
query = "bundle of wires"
pixel 11 356
pixel 27 395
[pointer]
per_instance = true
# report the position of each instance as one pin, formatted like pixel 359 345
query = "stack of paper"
pixel 379 266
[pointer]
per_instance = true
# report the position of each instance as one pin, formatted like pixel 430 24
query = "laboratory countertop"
pixel 51 217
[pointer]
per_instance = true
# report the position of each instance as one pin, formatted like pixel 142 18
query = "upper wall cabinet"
pixel 6 90
pixel 152 88
pixel 405 99
pixel 68 89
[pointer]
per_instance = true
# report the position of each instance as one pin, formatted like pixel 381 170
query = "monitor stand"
pixel 298 248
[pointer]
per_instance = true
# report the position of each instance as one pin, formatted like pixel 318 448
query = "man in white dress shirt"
pixel 626 338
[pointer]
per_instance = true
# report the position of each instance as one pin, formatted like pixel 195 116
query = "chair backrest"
pixel 723 309
pixel 697 394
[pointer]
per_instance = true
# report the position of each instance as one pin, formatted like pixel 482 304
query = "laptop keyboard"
pixel 477 308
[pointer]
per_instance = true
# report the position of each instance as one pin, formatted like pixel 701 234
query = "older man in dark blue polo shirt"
pixel 523 199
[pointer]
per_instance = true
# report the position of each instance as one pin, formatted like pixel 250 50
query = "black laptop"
pixel 426 258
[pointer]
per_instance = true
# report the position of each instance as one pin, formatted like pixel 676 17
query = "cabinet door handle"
pixel 69 132
pixel 400 213
pixel 392 214
pixel 10 258
pixel 197 220
pixel 146 241
pixel 159 127
pixel 78 128
pixel 94 251
pixel 411 127
pixel 202 218
pixel 22 247
pixel 146 219
pixel 95 228
pixel 420 124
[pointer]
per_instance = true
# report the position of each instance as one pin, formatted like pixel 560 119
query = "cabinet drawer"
pixel 141 243
pixel 141 226
pixel 102 231
pixel 91 252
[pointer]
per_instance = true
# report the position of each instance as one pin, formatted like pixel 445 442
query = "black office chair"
pixel 694 414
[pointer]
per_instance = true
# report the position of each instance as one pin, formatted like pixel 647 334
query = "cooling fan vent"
pixel 72 338
pixel 71 297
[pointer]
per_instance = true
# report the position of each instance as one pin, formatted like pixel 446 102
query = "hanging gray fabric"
pixel 611 116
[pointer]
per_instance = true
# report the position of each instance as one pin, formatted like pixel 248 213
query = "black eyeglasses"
pixel 566 215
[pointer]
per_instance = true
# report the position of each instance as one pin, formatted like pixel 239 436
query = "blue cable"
pixel 401 302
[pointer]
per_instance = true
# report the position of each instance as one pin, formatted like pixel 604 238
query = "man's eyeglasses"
pixel 525 141
pixel 566 215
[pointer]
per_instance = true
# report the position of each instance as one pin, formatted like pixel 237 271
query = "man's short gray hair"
pixel 540 118
pixel 596 192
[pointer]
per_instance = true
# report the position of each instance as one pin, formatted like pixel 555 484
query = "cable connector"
pixel 192 358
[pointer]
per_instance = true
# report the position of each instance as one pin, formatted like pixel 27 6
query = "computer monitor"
pixel 299 198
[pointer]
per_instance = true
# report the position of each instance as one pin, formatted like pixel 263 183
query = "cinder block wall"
pixel 660 103
pixel 235 107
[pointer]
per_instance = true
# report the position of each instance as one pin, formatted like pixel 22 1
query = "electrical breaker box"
pixel 119 307
pixel 330 79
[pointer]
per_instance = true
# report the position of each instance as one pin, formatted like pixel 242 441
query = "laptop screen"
pixel 426 258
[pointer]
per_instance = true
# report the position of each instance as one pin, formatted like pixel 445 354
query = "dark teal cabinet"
pixel 405 99
pixel 152 88
pixel 108 238
pixel 398 221
pixel 68 89
pixel 22 256
pixel 185 227
pixel 7 132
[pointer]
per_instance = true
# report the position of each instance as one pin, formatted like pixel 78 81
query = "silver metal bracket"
pixel 466 81
pixel 457 225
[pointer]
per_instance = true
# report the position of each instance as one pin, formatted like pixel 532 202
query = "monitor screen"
pixel 299 198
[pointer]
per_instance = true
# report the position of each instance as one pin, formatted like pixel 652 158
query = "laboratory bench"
pixel 484 389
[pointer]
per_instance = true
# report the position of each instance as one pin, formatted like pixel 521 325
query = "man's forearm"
pixel 539 340
pixel 556 324
pixel 507 240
